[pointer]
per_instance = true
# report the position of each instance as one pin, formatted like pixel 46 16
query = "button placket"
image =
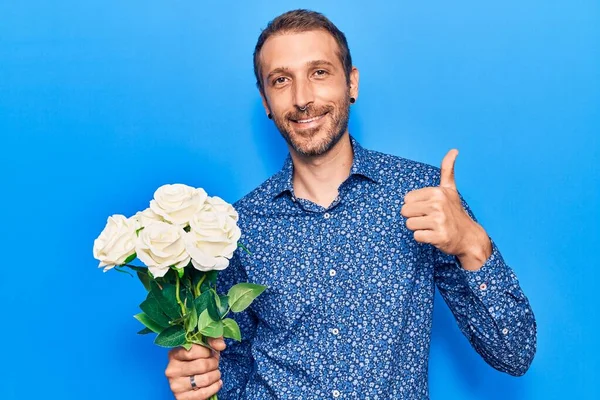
pixel 331 268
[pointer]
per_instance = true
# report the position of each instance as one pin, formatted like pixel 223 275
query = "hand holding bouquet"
pixel 184 239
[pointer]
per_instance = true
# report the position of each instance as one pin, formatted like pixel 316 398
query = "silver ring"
pixel 303 108
pixel 193 382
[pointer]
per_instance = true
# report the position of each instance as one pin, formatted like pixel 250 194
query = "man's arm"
pixel 236 362
pixel 491 309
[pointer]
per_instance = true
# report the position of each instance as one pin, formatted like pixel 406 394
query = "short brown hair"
pixel 301 21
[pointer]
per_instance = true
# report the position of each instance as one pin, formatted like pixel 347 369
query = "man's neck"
pixel 317 178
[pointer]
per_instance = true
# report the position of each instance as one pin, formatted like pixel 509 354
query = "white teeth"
pixel 306 121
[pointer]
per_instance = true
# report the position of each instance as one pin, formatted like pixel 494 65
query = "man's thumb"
pixel 218 344
pixel 447 172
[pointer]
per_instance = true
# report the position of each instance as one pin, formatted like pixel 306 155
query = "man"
pixel 351 244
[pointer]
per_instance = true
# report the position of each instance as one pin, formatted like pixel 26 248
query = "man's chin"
pixel 313 146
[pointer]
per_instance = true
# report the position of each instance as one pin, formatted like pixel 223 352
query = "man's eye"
pixel 279 81
pixel 320 72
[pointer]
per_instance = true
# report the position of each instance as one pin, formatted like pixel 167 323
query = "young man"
pixel 351 244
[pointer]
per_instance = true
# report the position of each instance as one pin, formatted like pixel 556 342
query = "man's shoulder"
pixel 258 196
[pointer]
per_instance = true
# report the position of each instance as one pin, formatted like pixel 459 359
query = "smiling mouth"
pixel 308 120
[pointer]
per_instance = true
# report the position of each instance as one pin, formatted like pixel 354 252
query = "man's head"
pixel 306 79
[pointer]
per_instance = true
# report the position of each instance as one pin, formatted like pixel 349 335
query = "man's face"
pixel 303 70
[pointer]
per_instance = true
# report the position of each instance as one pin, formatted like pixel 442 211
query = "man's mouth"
pixel 308 121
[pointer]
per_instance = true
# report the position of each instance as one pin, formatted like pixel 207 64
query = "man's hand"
pixel 199 362
pixel 436 216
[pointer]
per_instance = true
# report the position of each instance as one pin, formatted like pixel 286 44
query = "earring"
pixel 269 116
pixel 352 100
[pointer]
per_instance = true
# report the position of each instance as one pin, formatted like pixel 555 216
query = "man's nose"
pixel 303 94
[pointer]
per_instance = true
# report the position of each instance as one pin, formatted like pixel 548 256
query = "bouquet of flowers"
pixel 183 239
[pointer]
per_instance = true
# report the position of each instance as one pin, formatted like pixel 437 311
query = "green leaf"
pixel 130 258
pixel 187 346
pixel 210 280
pixel 208 327
pixel 145 279
pixel 214 303
pixel 145 331
pixel 166 299
pixel 138 269
pixel 224 307
pixel 186 296
pixel 171 337
pixel 242 295
pixel 180 272
pixel 148 322
pixel 231 329
pixel 152 309
pixel 191 321
pixel 122 271
pixel 202 301
pixel 244 248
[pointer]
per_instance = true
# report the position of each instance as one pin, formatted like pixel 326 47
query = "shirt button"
pixel 335 331
pixel 483 286
pixel 332 272
pixel 326 215
pixel 504 331
pixel 293 199
pixel 336 393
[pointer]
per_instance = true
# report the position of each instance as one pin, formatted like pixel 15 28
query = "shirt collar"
pixel 363 164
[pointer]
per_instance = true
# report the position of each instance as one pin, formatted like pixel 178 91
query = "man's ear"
pixel 265 103
pixel 354 78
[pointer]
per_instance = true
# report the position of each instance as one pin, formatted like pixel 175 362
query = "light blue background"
pixel 101 102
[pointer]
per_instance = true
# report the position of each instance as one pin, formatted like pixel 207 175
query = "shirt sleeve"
pixel 236 362
pixel 491 309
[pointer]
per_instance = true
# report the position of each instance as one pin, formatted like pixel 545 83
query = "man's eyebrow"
pixel 316 63
pixel 310 64
pixel 277 71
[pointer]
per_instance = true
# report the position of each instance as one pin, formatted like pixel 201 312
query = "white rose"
pixel 177 203
pixel 212 238
pixel 161 245
pixel 223 207
pixel 116 242
pixel 147 216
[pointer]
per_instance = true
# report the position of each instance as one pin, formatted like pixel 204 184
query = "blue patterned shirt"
pixel 348 309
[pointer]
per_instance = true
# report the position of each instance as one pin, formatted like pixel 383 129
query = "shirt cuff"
pixel 496 286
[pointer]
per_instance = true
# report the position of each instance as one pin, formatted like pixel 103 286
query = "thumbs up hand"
pixel 436 216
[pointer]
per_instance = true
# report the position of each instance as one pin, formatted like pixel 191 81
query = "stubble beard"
pixel 303 142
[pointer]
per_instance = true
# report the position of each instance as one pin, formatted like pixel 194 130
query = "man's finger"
pixel 422 194
pixel 198 367
pixel 447 173
pixel 194 353
pixel 416 209
pixel 183 384
pixel 218 344
pixel 202 393
pixel 420 223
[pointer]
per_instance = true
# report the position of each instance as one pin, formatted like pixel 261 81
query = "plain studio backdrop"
pixel 101 102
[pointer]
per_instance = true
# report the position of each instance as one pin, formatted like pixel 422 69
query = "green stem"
pixel 183 310
pixel 197 288
pixel 129 265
